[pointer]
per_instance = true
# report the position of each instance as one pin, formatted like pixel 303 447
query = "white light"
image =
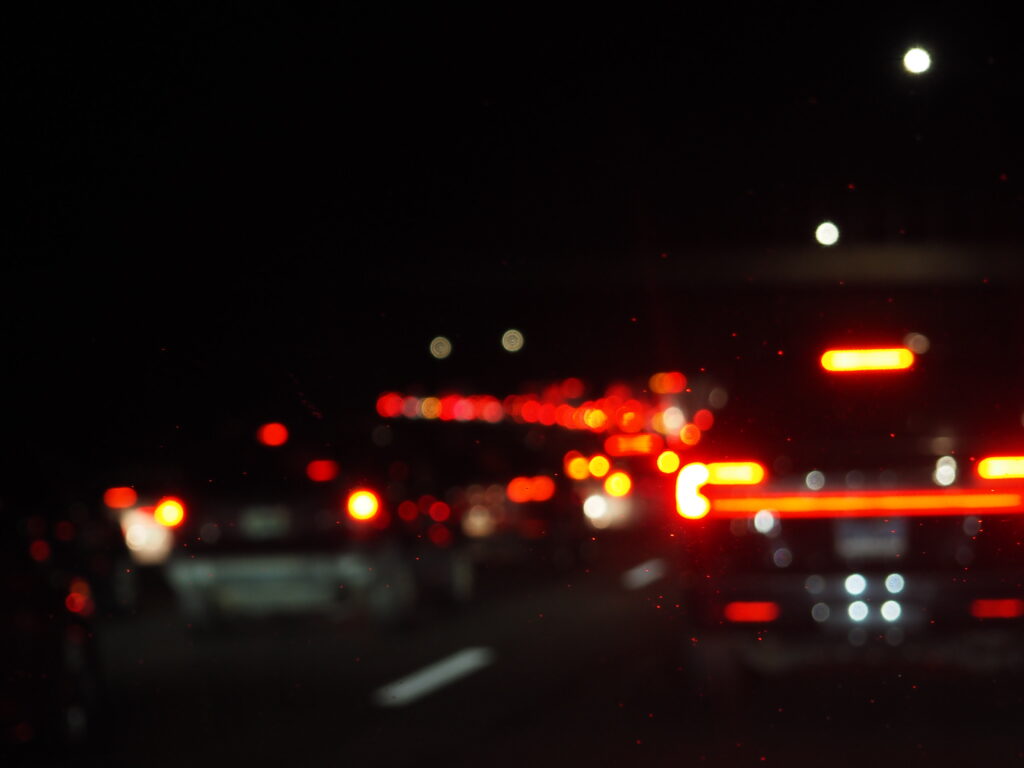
pixel 815 480
pixel 820 612
pixel 917 60
pixel 673 419
pixel 827 233
pixel 945 471
pixel 595 507
pixel 891 610
pixel 894 583
pixel 917 343
pixel 855 583
pixel 440 347
pixel 858 610
pixel 764 521
pixel 512 340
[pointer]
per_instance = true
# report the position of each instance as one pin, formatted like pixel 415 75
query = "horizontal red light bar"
pixel 869 503
pixel 749 612
pixel 852 360
pixel 1001 467
pixel 633 445
pixel 1009 608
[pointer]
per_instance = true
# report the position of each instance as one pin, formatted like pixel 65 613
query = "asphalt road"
pixel 543 668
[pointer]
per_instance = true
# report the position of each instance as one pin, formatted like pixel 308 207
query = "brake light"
pixel 745 611
pixel 363 505
pixel 870 504
pixel 273 434
pixel 618 484
pixel 169 512
pixel 1001 467
pixel 852 360
pixel 525 489
pixel 322 470
pixel 735 473
pixel 633 445
pixel 120 498
pixel 1010 608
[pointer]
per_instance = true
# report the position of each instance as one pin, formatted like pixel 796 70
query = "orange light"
pixel 735 473
pixel 363 505
pixel 120 498
pixel 630 416
pixel 870 504
pixel 667 383
pixel 322 470
pixel 633 445
pixel 668 462
pixel 618 484
pixel 1001 467
pixel 690 434
pixel 599 466
pixel 751 612
pixel 1008 608
pixel 272 434
pixel 578 468
pixel 543 488
pixel 525 489
pixel 850 360
pixel 169 512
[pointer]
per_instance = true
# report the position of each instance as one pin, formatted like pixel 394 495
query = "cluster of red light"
pixel 525 489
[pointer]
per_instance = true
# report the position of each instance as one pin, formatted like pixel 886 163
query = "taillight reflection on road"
pixel 322 470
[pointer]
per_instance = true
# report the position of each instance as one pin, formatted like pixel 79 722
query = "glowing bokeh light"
pixel 917 61
pixel 618 484
pixel 363 505
pixel 599 466
pixel 857 360
pixel 440 347
pixel 512 340
pixel 272 434
pixel 169 512
pixel 855 584
pixel 891 610
pixel 690 434
pixel 322 470
pixel 827 233
pixel 858 610
pixel 1001 467
pixel 120 497
pixel 668 462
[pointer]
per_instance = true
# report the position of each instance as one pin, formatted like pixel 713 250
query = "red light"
pixel 75 602
pixel 408 511
pixel 439 535
pixel 704 419
pixel 39 550
pixel 363 505
pixel 1009 608
pixel 751 612
pixel 854 360
pixel 120 498
pixel 439 511
pixel 869 503
pixel 531 411
pixel 525 489
pixel 389 405
pixel 690 434
pixel 633 445
pixel 272 434
pixel 543 488
pixel 322 470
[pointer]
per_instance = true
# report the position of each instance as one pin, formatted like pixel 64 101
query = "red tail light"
pixel 1009 608
pixel 273 434
pixel 363 505
pixel 120 498
pixel 752 612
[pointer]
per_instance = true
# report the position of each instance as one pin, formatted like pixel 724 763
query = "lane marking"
pixel 423 682
pixel 646 573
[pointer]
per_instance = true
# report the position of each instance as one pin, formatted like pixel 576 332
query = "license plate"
pixel 871 539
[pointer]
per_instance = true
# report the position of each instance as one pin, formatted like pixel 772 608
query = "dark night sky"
pixel 235 213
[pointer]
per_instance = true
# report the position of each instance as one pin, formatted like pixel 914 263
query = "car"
pixel 274 527
pixel 860 497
